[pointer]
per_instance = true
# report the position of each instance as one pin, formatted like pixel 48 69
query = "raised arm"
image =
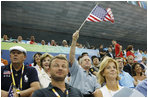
pixel 73 46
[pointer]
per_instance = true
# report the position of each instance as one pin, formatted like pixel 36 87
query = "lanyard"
pixel 13 81
pixel 58 94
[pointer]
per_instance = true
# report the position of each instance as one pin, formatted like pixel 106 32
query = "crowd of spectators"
pixel 101 76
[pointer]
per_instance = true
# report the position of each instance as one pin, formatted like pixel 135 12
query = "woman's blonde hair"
pixel 44 56
pixel 104 63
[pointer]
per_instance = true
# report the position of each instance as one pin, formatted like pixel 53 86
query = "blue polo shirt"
pixel 80 79
pixel 126 80
pixel 29 76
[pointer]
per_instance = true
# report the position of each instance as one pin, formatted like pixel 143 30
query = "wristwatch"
pixel 18 92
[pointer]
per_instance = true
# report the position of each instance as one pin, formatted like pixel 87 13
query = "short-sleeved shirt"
pixel 29 76
pixel 126 80
pixel 80 79
pixel 117 48
pixel 47 92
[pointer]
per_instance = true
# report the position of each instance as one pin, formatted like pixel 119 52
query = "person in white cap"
pixel 17 79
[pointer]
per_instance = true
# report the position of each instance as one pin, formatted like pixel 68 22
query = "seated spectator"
pixel 58 88
pixel 137 73
pixel 95 65
pixel 45 60
pixel 80 46
pixel 43 42
pixel 64 43
pixel 19 40
pixel 130 51
pixel 126 79
pixel 109 75
pixel 144 62
pixel 32 40
pixel 81 73
pixel 109 53
pixel 44 76
pixel 130 62
pixel 41 72
pixel 11 75
pixel 5 38
pixel 138 57
pixel 36 59
pixel 145 54
pixel 53 43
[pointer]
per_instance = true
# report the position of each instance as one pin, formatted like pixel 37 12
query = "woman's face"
pixel 37 58
pixel 138 68
pixel 110 70
pixel 45 63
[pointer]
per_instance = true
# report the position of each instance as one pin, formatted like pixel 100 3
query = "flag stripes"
pixel 99 14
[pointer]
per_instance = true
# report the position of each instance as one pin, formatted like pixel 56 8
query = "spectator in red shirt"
pixel 129 51
pixel 32 40
pixel 118 49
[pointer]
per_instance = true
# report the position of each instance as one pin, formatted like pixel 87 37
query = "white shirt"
pixel 43 77
pixel 109 93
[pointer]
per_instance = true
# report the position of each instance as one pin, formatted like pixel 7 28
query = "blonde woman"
pixel 44 77
pixel 45 62
pixel 108 76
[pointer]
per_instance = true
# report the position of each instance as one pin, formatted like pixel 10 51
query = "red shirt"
pixel 117 48
pixel 32 42
pixel 129 53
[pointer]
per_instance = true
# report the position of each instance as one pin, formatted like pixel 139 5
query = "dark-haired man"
pixel 95 65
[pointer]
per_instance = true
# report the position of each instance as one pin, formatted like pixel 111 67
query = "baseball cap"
pixel 19 48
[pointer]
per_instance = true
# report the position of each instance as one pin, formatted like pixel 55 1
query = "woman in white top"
pixel 44 76
pixel 109 75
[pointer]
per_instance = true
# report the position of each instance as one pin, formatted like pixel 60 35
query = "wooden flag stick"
pixel 86 18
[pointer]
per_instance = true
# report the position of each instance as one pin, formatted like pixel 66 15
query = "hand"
pixel 15 95
pixel 76 35
pixel 4 93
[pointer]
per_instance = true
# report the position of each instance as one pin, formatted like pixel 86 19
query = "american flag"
pixel 99 14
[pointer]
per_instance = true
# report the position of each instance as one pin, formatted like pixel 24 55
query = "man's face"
pixel 43 42
pixel 86 62
pixel 120 63
pixel 19 38
pixel 109 49
pixel 58 69
pixel 95 61
pixel 17 57
pixel 113 42
pixel 130 59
